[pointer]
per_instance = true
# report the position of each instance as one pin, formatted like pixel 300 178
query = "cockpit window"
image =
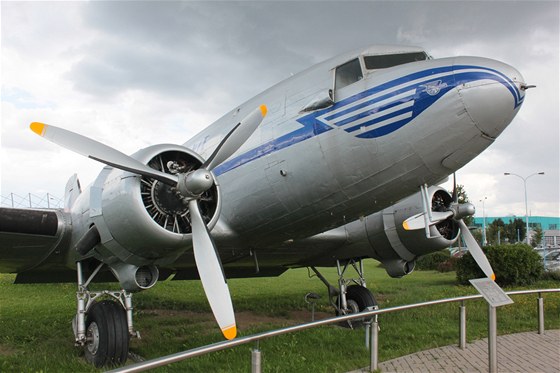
pixel 390 60
pixel 348 73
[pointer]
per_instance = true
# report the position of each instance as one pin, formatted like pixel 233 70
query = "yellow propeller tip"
pixel 230 332
pixel 264 110
pixel 38 128
pixel 493 277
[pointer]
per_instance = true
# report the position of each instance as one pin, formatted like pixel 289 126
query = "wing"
pixel 29 238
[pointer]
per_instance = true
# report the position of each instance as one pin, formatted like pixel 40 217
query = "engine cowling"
pixel 398 248
pixel 143 221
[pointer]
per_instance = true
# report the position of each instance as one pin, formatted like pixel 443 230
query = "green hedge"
pixel 439 261
pixel 515 264
pixel 431 261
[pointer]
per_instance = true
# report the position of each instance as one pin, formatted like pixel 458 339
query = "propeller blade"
pixel 476 251
pixel 235 138
pixel 418 222
pixel 211 273
pixel 99 152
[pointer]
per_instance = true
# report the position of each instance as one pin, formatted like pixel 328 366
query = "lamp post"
pixel 526 206
pixel 484 242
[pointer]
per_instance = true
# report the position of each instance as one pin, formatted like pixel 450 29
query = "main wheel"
pixel 358 299
pixel 107 334
pixel 362 296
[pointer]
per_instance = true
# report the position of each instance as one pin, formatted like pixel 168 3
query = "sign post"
pixel 495 297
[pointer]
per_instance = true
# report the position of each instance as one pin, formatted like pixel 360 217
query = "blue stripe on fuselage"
pixel 313 127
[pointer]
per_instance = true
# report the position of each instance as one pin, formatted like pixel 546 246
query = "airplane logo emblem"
pixel 433 88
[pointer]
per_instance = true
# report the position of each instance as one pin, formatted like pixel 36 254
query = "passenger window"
pixel 348 73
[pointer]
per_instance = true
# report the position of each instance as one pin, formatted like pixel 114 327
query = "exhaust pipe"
pixel 397 268
pixel 133 278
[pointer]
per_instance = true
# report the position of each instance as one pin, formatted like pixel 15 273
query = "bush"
pixel 551 275
pixel 431 261
pixel 515 264
pixel 449 265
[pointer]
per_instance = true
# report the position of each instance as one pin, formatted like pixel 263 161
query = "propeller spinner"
pixel 190 186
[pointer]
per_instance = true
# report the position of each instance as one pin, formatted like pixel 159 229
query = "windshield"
pixel 390 60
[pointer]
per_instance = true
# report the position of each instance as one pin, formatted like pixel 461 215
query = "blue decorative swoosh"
pixel 380 110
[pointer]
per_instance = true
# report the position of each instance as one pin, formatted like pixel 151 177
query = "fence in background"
pixel 372 333
pixel 45 201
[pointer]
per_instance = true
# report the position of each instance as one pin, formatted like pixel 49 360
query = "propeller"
pixel 476 251
pixel 457 212
pixel 190 186
pixel 99 152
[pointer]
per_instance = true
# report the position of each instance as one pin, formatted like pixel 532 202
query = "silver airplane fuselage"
pixel 343 143
pixel 303 173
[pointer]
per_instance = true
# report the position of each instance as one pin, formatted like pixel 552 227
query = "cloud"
pixel 135 73
pixel 22 99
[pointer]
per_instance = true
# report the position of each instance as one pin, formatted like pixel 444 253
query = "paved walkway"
pixel 523 352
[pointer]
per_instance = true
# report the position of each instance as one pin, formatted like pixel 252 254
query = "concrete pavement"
pixel 522 352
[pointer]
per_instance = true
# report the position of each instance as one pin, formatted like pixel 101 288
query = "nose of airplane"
pixel 491 91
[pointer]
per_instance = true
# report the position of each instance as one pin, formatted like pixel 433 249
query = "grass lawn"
pixel 36 334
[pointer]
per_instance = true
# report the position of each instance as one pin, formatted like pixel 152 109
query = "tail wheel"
pixel 107 334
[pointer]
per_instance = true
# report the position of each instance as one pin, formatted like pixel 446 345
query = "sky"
pixel 132 74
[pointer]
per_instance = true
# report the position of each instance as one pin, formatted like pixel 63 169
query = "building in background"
pixel 549 225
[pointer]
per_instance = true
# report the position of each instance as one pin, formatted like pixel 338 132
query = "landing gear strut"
pixel 351 296
pixel 103 328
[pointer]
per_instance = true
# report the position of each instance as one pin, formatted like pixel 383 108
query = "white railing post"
pixel 256 362
pixel 374 345
pixel 462 326
pixel 540 304
pixel 367 328
pixel 492 339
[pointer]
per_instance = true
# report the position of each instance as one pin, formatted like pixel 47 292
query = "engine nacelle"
pixel 398 267
pixel 141 220
pixel 398 248
pixel 133 278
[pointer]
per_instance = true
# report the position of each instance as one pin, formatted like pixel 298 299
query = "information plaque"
pixel 493 294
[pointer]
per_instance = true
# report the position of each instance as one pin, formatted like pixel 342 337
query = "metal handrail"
pixel 173 358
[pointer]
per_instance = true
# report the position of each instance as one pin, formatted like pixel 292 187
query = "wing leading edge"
pixel 28 237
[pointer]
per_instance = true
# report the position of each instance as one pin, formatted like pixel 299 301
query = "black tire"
pixel 362 296
pixel 358 299
pixel 107 334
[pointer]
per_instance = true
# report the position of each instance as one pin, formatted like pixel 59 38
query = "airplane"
pixel 333 165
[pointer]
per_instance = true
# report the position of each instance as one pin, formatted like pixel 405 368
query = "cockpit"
pixel 390 60
pixel 363 63
pixel 354 70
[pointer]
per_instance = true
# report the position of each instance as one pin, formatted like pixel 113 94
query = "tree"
pixel 495 232
pixel 515 230
pixel 477 234
pixel 510 233
pixel 537 237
